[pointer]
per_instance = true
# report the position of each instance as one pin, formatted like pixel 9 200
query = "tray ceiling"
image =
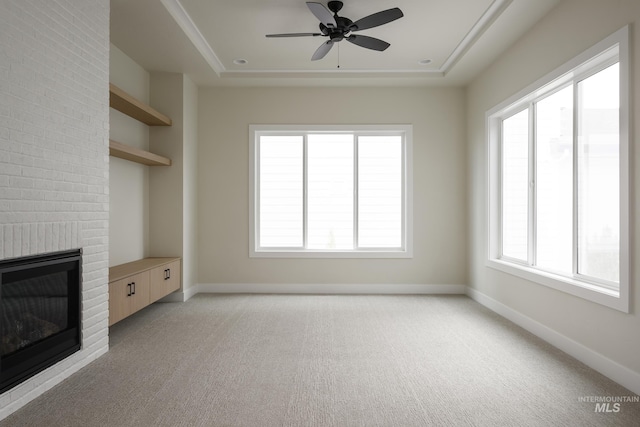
pixel 223 42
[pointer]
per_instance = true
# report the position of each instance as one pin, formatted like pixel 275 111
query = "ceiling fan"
pixel 338 28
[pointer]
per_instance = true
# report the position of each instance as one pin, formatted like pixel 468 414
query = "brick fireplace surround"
pixel 54 158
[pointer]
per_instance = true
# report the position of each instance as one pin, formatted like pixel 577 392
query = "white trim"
pixel 337 289
pixel 625 162
pixel 255 131
pixel 607 367
pixel 190 292
pixel 351 73
pixel 182 18
pixel 310 253
pixel 563 73
pixel 486 20
pixel 597 294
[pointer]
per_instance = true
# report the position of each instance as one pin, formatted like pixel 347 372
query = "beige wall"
pixel 190 187
pixel 569 29
pixel 437 116
pixel 165 190
pixel 173 213
pixel 128 181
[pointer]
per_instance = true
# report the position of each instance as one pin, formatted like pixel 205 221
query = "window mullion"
pixel 356 141
pixel 531 231
pixel 500 201
pixel 574 154
pixel 305 198
pixel 258 189
pixel 404 193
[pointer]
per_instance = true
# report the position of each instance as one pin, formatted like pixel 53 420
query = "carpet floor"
pixel 324 360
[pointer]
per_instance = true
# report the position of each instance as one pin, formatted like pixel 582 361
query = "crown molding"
pixel 486 20
pixel 182 18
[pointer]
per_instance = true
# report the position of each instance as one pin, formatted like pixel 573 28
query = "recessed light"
pixel 424 62
pixel 240 61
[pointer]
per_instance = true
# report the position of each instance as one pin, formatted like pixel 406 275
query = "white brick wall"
pixel 54 159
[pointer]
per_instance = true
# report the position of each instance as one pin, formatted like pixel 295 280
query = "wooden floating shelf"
pixel 127 104
pixel 122 151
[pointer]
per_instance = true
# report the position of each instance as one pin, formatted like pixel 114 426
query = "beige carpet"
pixel 300 360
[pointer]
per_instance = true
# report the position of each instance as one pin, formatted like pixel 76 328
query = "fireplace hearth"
pixel 39 313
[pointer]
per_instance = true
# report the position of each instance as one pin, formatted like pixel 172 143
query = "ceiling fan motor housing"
pixel 339 33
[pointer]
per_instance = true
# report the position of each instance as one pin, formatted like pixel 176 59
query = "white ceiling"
pixel 202 38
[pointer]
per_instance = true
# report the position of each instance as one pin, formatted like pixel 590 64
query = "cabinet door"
pixel 164 280
pixel 139 291
pixel 172 282
pixel 119 301
pixel 156 285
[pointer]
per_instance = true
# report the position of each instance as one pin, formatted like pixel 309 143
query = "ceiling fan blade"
pixel 295 35
pixel 322 50
pixel 323 14
pixel 377 19
pixel 368 42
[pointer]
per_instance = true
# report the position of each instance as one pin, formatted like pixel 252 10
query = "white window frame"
pixel 406 131
pixel 614 48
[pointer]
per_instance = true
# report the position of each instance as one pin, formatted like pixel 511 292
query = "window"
pixel 330 191
pixel 559 178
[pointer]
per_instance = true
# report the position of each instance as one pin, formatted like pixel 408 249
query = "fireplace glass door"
pixel 39 313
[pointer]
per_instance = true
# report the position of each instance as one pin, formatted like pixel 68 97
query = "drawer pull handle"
pixel 128 289
pixel 134 288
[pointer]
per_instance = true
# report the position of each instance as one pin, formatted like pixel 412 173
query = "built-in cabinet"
pixel 135 285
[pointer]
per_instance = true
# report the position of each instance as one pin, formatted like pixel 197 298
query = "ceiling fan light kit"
pixel 339 28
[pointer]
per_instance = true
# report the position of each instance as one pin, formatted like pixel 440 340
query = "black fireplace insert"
pixel 39 313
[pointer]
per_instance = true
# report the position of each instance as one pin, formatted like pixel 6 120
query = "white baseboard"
pixel 289 288
pixel 189 292
pixel 607 367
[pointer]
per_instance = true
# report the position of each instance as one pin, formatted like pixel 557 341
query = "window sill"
pixel 330 254
pixel 617 300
